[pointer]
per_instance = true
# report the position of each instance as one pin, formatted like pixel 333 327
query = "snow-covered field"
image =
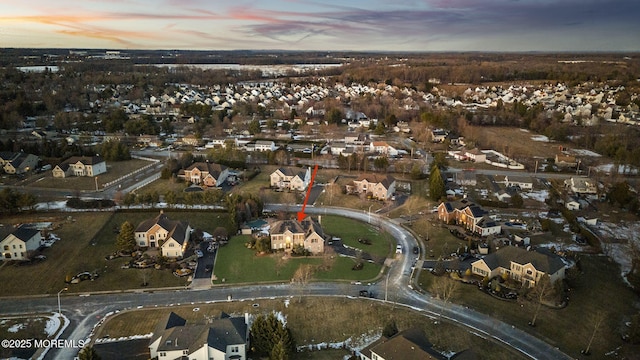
pixel 585 152
pixel 538 195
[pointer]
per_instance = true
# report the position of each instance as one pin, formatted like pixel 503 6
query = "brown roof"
pixel 385 180
pixel 176 229
pixel 307 226
pixel 212 168
pixel 410 344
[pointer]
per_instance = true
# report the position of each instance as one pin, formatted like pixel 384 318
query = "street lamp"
pixel 59 310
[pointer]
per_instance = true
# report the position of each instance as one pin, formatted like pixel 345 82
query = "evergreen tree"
pixel 270 337
pixel 88 353
pixel 436 185
pixel 126 240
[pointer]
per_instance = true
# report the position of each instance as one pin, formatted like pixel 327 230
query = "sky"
pixel 355 25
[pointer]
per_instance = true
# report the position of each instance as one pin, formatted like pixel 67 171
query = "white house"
pixel 18 244
pixel 265 145
pixel 290 179
pixel 223 338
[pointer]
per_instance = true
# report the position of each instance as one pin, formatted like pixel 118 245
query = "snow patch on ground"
pixel 540 138
pixel 15 328
pixel 585 152
pixel 540 195
pixel 53 324
pixel 622 169
pixel 124 338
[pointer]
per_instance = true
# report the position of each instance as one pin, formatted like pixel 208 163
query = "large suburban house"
pixel 205 173
pixel 18 244
pixel 581 185
pixel 381 147
pixel 17 162
pixel 287 234
pixel 80 166
pixel 410 344
pixel 468 215
pixel 521 265
pixel 290 179
pixel 381 187
pixel 224 338
pixel 172 237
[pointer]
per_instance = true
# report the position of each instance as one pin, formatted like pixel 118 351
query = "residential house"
pixel 521 265
pixel 378 186
pixel 17 162
pixel 566 161
pixel 487 226
pixel 19 243
pixel 476 155
pixel 205 173
pixel 290 179
pixel 80 166
pixel 287 234
pixel 521 182
pixel 448 211
pixel 581 185
pixel 572 204
pixel 172 237
pixel 409 344
pixel 381 147
pixel 191 140
pixel 438 135
pixel 265 145
pixel 223 338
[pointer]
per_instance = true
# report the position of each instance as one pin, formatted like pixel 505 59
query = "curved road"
pixel 85 311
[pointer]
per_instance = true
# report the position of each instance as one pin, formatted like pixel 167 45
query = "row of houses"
pixel 17 162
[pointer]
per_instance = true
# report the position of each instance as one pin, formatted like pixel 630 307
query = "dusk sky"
pixel 397 25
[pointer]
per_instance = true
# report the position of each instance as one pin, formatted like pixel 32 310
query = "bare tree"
pixel 444 288
pixel 597 319
pixel 542 292
pixel 302 276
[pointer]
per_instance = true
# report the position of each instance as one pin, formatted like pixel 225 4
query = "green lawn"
pixel 235 263
pixel 350 231
pixel 86 238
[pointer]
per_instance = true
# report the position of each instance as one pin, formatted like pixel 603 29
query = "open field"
pixel 569 328
pixel 86 238
pixel 235 263
pixel 351 231
pixel 115 170
pixel 314 327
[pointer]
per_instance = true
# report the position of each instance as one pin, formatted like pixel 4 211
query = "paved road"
pixel 85 311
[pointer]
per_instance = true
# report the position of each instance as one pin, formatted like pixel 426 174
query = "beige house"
pixel 19 243
pixel 172 237
pixel 80 166
pixel 17 162
pixel 287 234
pixel 476 155
pixel 381 187
pixel 205 173
pixel 223 338
pixel 521 265
pixel 290 179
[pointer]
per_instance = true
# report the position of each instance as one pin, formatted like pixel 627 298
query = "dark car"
pixel 416 250
pixel 208 268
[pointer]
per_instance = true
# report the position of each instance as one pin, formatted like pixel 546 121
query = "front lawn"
pixel 235 263
pixel 381 243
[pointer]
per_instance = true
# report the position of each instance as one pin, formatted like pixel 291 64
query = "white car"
pixel 399 249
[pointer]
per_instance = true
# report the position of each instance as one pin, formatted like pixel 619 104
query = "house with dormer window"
pixel 172 237
pixel 80 166
pixel 287 234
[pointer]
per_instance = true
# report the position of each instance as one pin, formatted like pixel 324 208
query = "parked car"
pixel 199 253
pixel 399 249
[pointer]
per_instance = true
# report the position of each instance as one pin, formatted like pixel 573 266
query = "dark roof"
pixel 176 229
pixel 476 211
pixel 25 233
pixel 410 344
pixel 545 262
pixel 307 226
pixel 292 172
pixel 170 321
pixel 86 160
pixel 175 334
